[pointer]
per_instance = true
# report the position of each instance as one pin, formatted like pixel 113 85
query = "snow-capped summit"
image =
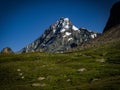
pixel 60 37
pixel 61 25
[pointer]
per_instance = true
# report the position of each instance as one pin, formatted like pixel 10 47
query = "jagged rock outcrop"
pixel 114 18
pixel 7 50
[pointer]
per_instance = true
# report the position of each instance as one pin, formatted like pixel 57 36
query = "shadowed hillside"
pixel 114 18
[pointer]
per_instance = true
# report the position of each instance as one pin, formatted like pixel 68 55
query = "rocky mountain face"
pixel 7 50
pixel 59 37
pixel 114 18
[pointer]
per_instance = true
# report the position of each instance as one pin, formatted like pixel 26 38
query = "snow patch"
pixel 66 19
pixel 70 39
pixel 62 30
pixel 67 34
pixel 94 35
pixel 74 28
pixel 54 30
pixel 66 26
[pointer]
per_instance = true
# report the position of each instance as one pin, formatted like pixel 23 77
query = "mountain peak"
pixel 60 37
pixel 65 24
pixel 61 25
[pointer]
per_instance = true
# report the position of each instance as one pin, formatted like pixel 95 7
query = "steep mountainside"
pixel 60 37
pixel 114 18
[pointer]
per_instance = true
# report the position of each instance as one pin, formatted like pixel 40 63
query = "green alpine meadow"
pixel 95 68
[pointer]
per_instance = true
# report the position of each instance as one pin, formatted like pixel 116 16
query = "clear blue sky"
pixel 23 21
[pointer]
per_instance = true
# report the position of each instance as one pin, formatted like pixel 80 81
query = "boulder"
pixel 7 50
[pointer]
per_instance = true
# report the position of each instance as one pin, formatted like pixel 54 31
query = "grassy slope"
pixel 61 70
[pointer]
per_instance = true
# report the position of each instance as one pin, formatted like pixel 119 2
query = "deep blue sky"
pixel 23 21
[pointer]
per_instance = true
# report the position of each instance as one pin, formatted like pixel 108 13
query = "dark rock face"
pixel 59 37
pixel 7 50
pixel 114 18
